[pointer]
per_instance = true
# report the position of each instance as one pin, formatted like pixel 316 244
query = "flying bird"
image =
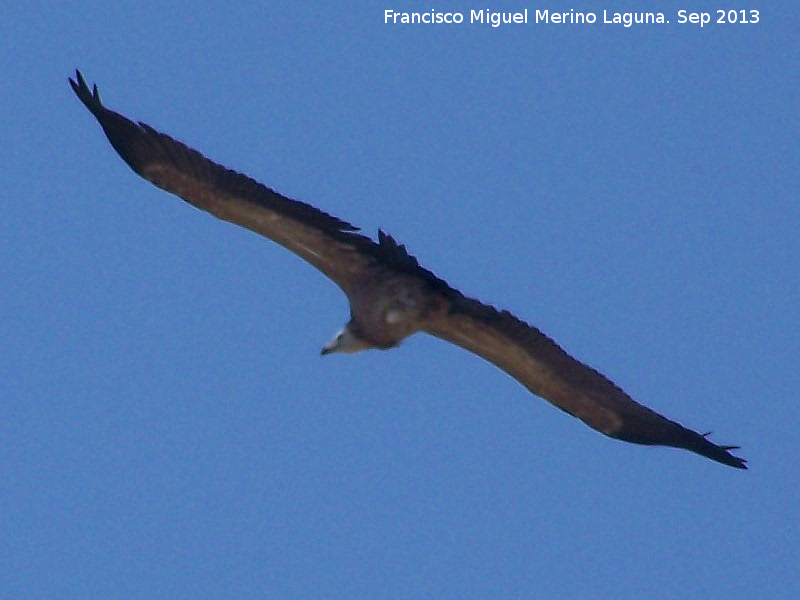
pixel 391 295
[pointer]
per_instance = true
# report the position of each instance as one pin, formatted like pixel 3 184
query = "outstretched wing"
pixel 327 242
pixel 539 364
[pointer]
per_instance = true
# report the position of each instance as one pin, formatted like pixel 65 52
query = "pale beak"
pixel 332 346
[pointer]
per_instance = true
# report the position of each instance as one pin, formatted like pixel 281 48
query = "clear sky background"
pixel 168 428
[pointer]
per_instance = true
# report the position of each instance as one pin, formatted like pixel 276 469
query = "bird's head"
pixel 345 341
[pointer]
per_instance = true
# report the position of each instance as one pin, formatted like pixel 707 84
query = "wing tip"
pixel 89 97
pixel 720 453
pixel 700 444
pixel 676 435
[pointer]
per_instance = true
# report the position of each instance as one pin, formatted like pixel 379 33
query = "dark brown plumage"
pixel 391 296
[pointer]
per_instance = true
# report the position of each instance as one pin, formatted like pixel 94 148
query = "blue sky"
pixel 168 427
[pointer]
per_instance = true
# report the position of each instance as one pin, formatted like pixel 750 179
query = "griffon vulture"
pixel 391 296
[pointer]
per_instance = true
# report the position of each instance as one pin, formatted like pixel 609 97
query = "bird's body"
pixel 391 296
pixel 389 308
